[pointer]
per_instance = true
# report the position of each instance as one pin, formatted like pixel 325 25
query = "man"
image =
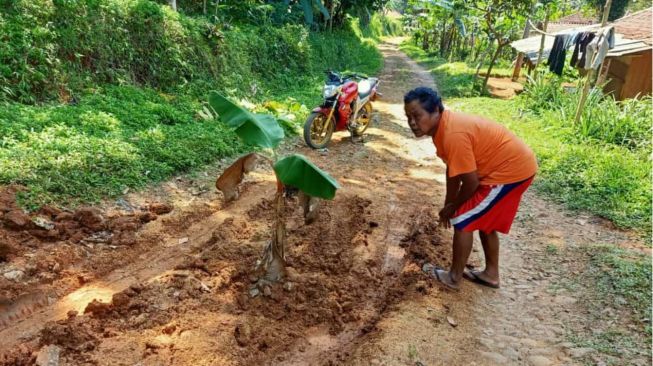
pixel 488 170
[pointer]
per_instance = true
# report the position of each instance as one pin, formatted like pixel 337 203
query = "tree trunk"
pixel 204 7
pixel 482 59
pixel 173 4
pixel 494 58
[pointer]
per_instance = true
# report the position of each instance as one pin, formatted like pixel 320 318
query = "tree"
pixel 294 172
pixel 502 20
pixel 617 10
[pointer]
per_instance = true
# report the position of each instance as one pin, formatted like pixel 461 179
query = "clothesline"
pixel 533 27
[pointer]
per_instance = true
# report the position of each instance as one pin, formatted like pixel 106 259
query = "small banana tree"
pixel 294 173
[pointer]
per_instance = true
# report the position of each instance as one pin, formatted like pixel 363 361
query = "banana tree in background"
pixel 293 172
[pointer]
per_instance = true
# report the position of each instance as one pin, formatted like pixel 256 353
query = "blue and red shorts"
pixel 491 208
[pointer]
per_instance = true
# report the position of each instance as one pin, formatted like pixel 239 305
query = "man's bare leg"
pixel 491 250
pixel 462 248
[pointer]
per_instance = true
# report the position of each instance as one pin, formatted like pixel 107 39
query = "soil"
pixel 167 276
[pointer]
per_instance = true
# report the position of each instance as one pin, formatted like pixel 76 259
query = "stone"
pixel 580 352
pixel 494 357
pixel 15 275
pixel 48 356
pixel 487 343
pixel 539 361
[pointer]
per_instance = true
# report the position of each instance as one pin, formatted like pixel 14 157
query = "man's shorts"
pixel 491 208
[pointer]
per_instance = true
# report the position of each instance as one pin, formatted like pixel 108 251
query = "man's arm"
pixel 453 187
pixel 466 184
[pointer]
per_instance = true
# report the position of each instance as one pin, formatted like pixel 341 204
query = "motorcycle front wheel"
pixel 364 119
pixel 318 130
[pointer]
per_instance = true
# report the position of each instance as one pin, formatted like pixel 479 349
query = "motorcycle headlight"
pixel 329 90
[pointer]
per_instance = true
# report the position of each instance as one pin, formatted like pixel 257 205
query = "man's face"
pixel 420 121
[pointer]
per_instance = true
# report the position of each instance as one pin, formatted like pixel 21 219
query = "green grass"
pixel 619 279
pixel 141 115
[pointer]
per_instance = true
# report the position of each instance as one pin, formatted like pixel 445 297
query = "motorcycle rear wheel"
pixel 316 134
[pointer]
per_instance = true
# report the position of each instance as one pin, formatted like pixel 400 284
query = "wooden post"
pixel 590 73
pixel 546 25
pixel 520 56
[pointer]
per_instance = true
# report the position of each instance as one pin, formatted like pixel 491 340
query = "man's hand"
pixel 446 214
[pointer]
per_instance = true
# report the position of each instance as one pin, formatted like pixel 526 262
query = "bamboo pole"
pixel 590 73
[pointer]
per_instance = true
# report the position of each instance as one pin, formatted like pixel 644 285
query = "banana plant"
pixel 293 173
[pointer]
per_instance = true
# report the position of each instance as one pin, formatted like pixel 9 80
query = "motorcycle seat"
pixel 365 87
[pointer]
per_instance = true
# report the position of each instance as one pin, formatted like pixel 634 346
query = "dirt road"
pixel 179 293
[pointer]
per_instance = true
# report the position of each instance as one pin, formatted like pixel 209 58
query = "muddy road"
pixel 150 286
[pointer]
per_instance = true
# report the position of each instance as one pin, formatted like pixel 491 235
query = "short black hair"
pixel 428 98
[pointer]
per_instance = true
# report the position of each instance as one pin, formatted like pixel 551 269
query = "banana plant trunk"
pixel 275 256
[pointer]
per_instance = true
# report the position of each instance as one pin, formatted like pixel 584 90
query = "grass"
pixel 119 133
pixel 620 280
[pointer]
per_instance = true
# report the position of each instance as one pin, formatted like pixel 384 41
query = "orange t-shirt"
pixel 469 143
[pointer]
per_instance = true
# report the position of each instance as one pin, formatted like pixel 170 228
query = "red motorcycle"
pixel 347 106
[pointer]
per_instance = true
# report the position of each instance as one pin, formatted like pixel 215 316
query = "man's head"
pixel 423 107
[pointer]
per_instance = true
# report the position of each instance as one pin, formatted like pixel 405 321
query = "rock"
pixel 15 275
pixel 48 356
pixel 267 291
pixel 160 208
pixel 452 321
pixel 91 218
pixel 494 357
pixel 288 286
pixel 253 292
pixel 580 352
pixel 183 241
pixel 17 220
pixel 43 223
pixel 539 361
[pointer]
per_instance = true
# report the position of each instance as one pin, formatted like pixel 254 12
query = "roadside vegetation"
pixel 101 96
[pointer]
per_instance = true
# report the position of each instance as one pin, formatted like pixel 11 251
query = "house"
pixel 628 66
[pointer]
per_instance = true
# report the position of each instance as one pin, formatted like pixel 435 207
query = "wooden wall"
pixel 630 76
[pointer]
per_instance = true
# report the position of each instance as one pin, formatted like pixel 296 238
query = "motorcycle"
pixel 347 105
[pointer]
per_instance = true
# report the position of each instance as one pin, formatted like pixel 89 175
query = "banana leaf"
pixel 297 171
pixel 254 129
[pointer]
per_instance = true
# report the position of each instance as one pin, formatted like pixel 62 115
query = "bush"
pixel 603 120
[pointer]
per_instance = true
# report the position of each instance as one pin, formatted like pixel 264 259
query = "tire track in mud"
pixel 36 309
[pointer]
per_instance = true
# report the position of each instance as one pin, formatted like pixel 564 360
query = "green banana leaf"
pixel 254 129
pixel 297 171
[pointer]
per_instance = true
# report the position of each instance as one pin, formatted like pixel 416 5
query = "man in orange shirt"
pixel 488 170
